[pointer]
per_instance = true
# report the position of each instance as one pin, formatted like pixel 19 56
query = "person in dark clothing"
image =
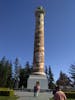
pixel 36 88
pixel 54 91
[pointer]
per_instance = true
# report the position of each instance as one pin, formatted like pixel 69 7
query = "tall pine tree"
pixel 72 72
pixel 17 72
pixel 50 79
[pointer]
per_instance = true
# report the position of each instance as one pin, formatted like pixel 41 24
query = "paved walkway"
pixel 30 96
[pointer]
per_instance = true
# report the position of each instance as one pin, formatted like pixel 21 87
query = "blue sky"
pixel 17 28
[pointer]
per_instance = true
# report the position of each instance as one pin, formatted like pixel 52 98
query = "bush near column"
pixel 70 95
pixel 6 92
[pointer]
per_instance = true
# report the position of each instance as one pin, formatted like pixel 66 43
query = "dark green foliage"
pixel 17 67
pixel 4 93
pixel 50 79
pixel 24 75
pixel 9 75
pixel 5 73
pixel 19 77
pixel 50 75
pixel 63 80
pixel 46 71
pixel 70 95
pixel 2 72
pixel 23 80
pixel 72 72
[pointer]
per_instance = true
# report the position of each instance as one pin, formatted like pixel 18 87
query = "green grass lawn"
pixel 8 98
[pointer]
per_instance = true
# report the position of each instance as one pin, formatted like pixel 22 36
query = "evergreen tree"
pixel 22 77
pixel 5 73
pixel 27 71
pixel 72 72
pixel 9 74
pixel 17 72
pixel 24 74
pixel 50 79
pixel 46 71
pixel 63 80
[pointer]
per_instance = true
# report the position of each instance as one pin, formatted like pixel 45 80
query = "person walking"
pixel 59 95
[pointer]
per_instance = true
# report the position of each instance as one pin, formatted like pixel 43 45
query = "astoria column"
pixel 38 56
pixel 38 73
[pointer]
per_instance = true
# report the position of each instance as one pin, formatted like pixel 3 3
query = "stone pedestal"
pixel 42 80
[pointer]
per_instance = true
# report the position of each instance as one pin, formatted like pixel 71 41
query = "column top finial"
pixel 40 9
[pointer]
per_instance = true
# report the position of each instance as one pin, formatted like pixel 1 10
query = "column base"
pixel 42 80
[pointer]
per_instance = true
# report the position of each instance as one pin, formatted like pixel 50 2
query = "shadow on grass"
pixel 8 97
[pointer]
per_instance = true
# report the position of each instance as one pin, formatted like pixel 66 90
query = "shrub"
pixel 6 92
pixel 70 95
